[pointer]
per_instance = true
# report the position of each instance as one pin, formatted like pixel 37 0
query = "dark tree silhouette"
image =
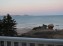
pixel 9 26
pixel 1 25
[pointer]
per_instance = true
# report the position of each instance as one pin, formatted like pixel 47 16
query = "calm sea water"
pixel 33 21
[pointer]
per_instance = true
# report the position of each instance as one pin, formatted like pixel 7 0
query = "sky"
pixel 31 7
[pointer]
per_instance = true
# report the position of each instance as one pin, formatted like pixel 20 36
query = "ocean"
pixel 34 21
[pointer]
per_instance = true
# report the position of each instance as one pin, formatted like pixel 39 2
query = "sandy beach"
pixel 23 30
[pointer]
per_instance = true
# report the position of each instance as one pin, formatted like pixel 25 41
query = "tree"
pixel 9 26
pixel 1 32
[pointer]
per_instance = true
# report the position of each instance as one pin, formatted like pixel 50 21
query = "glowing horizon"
pixel 31 7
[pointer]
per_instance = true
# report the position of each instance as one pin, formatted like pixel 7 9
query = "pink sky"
pixel 31 7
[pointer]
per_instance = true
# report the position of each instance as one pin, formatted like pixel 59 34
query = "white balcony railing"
pixel 23 41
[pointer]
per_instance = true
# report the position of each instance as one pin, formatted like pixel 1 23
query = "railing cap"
pixel 26 39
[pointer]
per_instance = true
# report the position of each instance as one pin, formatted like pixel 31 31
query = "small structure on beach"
pixel 50 26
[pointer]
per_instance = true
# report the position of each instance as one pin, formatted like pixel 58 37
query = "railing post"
pixel 27 44
pixel 36 44
pixel 45 44
pixel 54 44
pixel 0 43
pixel 19 44
pixel 12 43
pixel 5 43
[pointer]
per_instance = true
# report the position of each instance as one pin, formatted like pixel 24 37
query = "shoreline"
pixel 23 30
pixel 27 29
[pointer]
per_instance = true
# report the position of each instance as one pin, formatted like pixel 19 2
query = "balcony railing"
pixel 24 41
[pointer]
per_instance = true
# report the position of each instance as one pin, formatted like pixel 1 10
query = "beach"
pixel 23 30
